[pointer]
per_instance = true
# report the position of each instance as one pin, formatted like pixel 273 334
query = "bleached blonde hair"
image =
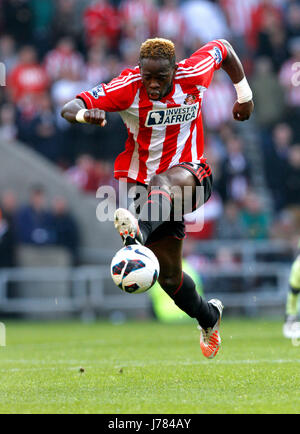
pixel 158 48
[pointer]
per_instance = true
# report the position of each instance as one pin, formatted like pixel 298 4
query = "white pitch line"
pixel 129 363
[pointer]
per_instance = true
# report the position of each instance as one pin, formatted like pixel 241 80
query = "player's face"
pixel 157 77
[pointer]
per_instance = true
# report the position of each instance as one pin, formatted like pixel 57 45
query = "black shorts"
pixel 176 229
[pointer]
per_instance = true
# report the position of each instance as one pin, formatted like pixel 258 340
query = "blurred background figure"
pixel 212 18
pixel 28 77
pixel 287 80
pixel 67 21
pixel 218 103
pixel 7 242
pixel 270 105
pixel 64 60
pixel 276 147
pixel 96 67
pixel 230 226
pixel 171 24
pixel 139 19
pixel 254 219
pixel 34 222
pixel 17 19
pixel 82 174
pixel 235 173
pixel 8 54
pixel 9 205
pixel 66 228
pixel 101 22
pixel 8 128
pixel 292 184
pixel 291 326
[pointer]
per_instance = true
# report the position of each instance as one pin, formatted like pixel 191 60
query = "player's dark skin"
pixel 158 78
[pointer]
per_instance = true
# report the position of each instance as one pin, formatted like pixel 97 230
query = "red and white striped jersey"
pixel 161 133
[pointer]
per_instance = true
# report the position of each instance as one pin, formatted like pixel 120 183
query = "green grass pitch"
pixel 147 367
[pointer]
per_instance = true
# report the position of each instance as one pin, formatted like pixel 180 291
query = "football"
pixel 134 269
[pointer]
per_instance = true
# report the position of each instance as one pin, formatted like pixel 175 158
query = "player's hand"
pixel 242 112
pixel 96 117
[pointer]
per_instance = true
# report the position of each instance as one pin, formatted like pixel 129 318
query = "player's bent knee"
pixel 164 182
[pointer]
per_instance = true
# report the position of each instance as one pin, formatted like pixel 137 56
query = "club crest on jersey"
pixel 172 115
pixel 190 99
pixel 97 91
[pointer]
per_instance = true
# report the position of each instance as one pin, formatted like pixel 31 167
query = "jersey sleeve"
pixel 199 68
pixel 115 96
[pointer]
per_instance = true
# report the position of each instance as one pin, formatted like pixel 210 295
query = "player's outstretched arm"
pixel 76 111
pixel 232 65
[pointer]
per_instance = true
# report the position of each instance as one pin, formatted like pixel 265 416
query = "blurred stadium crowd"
pixel 53 49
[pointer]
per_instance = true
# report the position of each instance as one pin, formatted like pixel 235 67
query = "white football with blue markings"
pixel 134 269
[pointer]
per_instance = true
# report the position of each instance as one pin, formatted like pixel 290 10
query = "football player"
pixel 160 104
